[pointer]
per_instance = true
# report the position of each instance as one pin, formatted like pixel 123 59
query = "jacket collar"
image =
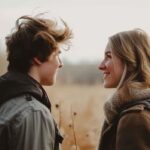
pixel 13 84
pixel 113 105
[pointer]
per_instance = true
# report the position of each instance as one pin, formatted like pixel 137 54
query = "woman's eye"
pixel 108 56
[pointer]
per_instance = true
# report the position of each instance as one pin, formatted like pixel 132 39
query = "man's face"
pixel 48 69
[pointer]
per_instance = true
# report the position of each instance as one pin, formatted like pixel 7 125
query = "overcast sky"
pixel 92 21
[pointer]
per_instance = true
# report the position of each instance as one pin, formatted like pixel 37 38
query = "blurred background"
pixel 78 96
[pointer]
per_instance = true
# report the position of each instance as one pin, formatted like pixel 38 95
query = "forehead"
pixel 108 48
pixel 55 53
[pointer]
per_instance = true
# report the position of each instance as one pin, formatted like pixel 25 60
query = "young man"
pixel 33 55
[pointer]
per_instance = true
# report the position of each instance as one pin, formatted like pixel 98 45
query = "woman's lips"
pixel 106 74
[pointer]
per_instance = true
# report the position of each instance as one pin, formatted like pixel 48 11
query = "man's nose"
pixel 60 63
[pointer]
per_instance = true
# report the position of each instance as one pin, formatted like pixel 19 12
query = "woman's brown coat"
pixel 130 128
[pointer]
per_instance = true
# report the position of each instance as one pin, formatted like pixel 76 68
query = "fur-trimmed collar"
pixel 114 103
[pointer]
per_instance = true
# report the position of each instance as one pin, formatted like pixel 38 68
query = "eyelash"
pixel 108 56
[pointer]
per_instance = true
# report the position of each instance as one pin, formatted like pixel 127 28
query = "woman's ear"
pixel 36 61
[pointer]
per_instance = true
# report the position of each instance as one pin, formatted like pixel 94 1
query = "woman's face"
pixel 112 68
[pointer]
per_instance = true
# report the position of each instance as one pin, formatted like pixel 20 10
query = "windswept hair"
pixel 34 37
pixel 133 48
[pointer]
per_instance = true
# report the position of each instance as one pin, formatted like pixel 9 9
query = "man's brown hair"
pixel 34 37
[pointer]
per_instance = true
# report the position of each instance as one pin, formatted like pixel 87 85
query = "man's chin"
pixel 50 83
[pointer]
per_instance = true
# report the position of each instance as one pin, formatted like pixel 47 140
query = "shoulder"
pixel 133 129
pixel 138 105
pixel 139 110
pixel 27 122
pixel 134 119
pixel 19 108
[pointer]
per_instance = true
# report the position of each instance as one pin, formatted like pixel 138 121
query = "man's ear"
pixel 36 61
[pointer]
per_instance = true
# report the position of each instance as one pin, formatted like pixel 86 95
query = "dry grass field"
pixel 78 111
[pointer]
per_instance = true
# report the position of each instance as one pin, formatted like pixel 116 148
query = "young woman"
pixel 126 67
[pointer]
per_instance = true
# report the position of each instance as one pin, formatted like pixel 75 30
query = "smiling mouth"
pixel 106 75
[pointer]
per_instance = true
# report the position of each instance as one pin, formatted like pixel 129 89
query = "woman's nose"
pixel 102 66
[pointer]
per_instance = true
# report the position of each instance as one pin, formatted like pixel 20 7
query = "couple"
pixel 33 51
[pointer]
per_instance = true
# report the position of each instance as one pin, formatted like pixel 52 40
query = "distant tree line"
pixel 79 73
pixel 3 63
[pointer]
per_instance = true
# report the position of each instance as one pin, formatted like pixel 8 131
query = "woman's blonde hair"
pixel 133 48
